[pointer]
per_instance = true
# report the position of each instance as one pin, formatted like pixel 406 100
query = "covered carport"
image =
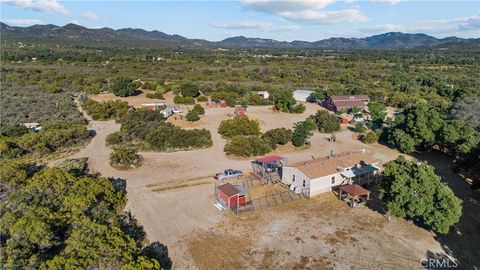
pixel 354 194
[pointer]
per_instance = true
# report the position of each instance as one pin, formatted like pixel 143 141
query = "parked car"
pixel 228 174
pixel 167 112
pixel 177 110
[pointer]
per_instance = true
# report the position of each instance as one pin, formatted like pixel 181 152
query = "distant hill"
pixel 72 33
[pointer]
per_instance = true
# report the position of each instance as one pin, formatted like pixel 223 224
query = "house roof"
pixel 354 190
pixel 269 159
pixel 349 104
pixel 325 166
pixel 350 98
pixel 229 190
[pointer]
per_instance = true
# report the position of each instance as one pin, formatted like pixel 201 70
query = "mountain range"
pixel 72 33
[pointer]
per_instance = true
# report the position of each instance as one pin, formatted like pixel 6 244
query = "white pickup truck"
pixel 228 174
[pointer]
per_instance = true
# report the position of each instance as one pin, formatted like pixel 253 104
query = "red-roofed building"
pixel 231 195
pixel 338 103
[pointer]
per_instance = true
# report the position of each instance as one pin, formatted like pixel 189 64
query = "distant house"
pixel 153 106
pixel 322 174
pixel 301 95
pixel 239 111
pixel 338 103
pixel 263 94
pixel 33 126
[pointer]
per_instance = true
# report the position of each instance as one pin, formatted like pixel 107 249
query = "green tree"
pixel 277 136
pixel 326 122
pixel 413 190
pixel 417 126
pixel 285 101
pixel 198 109
pixel 123 87
pixel 302 131
pixel 240 125
pixel 189 90
pixel 377 111
pixel 192 116
pixel 360 128
pixel 369 137
pixel 316 96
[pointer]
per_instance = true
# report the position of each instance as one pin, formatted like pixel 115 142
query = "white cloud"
pixel 310 11
pixel 90 16
pixel 440 26
pixel 21 22
pixel 75 22
pixel 259 25
pixel 39 5
pixel 391 2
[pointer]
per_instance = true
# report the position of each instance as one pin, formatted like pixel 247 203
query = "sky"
pixel 288 20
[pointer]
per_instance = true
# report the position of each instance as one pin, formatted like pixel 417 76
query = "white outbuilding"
pixel 301 95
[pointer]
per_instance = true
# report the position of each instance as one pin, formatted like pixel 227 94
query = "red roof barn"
pixel 231 195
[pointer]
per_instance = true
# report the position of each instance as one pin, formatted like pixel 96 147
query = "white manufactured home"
pixel 322 174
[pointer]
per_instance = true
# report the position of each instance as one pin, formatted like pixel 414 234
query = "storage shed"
pixel 231 195
pixel 301 95
pixel 239 111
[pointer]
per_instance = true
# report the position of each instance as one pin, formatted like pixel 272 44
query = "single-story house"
pixel 301 95
pixel 231 195
pixel 338 103
pixel 320 175
pixel 263 94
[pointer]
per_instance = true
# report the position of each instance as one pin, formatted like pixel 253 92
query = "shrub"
pixel 202 98
pixel 183 100
pixel 13 130
pixel 299 108
pixel 360 128
pixel 240 125
pixel 123 87
pixel 245 146
pixel 155 95
pixel 198 109
pixel 75 166
pixel 369 137
pixel 168 137
pixel 125 158
pixel 192 116
pixel 116 109
pixel 114 138
pixel 316 96
pixel 277 136
pixel 326 122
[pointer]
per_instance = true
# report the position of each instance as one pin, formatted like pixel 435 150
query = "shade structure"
pixel 354 190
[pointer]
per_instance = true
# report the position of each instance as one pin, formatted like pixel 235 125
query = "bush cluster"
pixel 148 129
pixel 247 146
pixel 111 109
pixel 183 100
pixel 123 87
pixel 369 137
pixel 125 158
pixel 277 136
pixel 54 136
pixel 240 125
